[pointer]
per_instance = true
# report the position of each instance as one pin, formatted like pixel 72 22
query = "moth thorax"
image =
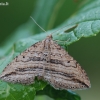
pixel 47 43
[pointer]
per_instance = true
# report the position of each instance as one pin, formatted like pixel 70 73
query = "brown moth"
pixel 50 61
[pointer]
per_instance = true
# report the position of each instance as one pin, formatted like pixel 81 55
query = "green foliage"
pixel 84 23
pixel 58 94
pixel 20 92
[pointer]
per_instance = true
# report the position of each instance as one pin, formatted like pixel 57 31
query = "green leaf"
pixel 58 94
pixel 20 92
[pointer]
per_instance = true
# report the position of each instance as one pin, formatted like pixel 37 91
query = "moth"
pixel 50 61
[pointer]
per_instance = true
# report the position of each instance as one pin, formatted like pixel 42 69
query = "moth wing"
pixel 65 72
pixel 25 66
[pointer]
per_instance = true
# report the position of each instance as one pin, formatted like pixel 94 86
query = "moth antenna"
pixel 37 24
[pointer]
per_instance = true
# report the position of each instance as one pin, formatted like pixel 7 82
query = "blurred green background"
pixel 15 24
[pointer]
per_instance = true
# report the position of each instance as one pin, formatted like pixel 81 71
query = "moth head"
pixel 49 36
